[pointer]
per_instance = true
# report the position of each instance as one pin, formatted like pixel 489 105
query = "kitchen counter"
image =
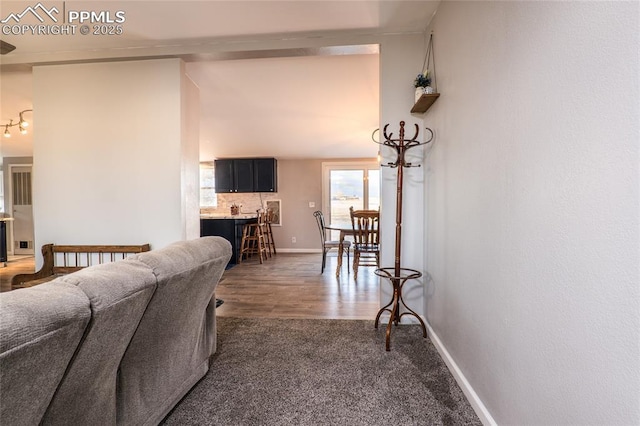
pixel 229 216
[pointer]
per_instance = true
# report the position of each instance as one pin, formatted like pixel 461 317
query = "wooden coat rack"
pixel 397 274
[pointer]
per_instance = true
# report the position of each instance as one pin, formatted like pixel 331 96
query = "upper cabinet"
pixel 265 175
pixel 246 175
pixel 223 170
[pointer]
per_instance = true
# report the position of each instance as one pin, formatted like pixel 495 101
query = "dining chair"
pixel 329 244
pixel 366 238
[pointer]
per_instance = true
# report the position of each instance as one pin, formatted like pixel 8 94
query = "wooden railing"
pixel 64 259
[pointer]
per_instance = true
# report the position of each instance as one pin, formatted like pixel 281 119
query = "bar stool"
pixel 253 240
pixel 264 229
pixel 269 233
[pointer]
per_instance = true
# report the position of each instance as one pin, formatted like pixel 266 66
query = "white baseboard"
pixel 474 400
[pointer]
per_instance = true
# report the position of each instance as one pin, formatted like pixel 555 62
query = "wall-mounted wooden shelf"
pixel 425 102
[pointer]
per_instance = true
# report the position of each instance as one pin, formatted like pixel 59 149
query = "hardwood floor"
pixel 291 286
pixel 285 286
pixel 16 265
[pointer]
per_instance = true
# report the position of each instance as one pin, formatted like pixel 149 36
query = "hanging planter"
pixel 423 90
pixel 425 82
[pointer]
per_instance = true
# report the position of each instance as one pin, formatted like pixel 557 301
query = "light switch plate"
pixel 312 204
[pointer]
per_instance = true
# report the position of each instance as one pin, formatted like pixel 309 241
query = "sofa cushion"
pixel 170 349
pixel 119 293
pixel 40 329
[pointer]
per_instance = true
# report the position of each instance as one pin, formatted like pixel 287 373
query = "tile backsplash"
pixel 249 202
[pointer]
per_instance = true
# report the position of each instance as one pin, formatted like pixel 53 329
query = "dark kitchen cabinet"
pixel 3 242
pixel 265 175
pixel 246 175
pixel 224 176
pixel 243 173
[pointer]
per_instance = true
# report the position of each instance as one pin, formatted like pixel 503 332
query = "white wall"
pixel 401 59
pixel 109 165
pixel 532 195
pixel 190 156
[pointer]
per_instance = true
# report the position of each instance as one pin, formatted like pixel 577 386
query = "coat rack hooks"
pixel 401 145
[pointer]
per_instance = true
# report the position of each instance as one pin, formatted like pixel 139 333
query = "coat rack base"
pixel 397 276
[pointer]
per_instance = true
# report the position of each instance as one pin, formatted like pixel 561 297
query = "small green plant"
pixel 423 79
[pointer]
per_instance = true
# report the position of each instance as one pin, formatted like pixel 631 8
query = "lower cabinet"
pixel 3 242
pixel 229 229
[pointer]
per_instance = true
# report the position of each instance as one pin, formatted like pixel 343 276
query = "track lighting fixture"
pixel 22 124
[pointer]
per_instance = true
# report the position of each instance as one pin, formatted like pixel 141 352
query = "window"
pixel 349 184
pixel 208 196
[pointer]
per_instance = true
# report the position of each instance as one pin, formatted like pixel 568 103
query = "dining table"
pixel 345 230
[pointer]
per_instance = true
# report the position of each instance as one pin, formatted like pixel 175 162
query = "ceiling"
pixel 275 77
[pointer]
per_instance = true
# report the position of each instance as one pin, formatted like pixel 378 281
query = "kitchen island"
pixel 228 227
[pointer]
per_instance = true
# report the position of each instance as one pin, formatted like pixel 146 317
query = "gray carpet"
pixel 322 372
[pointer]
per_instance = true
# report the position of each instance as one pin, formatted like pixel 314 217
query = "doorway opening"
pixel 21 208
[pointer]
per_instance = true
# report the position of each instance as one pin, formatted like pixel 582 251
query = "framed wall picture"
pixel 276 207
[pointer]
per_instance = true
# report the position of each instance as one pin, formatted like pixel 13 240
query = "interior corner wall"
pixel 190 156
pixel 533 200
pixel 107 164
pixel 401 59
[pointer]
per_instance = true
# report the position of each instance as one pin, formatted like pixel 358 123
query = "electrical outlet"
pixel 293 240
pixel 312 204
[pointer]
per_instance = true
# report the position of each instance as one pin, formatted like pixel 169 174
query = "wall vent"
pixel 22 245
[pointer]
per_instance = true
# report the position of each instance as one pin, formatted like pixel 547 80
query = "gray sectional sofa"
pixel 119 343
